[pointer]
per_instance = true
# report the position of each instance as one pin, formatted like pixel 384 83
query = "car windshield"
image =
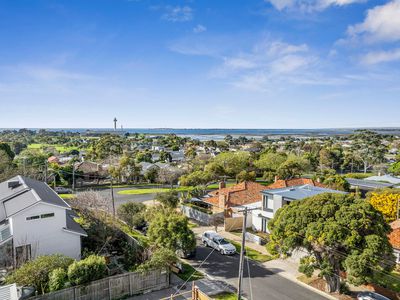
pixel 223 242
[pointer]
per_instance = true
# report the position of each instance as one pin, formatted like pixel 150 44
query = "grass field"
pixel 153 191
pixel 67 196
pixel 59 148
pixel 225 296
pixel 251 253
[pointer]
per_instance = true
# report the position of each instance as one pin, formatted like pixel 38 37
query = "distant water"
pixel 218 134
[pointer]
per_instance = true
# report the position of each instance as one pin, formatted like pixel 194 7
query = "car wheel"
pixel 221 251
pixel 205 244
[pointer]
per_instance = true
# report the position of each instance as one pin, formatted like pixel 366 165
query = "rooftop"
pixel 300 192
pixel 280 183
pixel 394 236
pixel 369 184
pixel 385 178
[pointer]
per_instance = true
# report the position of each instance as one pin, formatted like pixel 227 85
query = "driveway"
pixel 263 283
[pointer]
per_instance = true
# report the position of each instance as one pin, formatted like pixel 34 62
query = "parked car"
pixel 214 240
pixel 371 296
pixel 62 190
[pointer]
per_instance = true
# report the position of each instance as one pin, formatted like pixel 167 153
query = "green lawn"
pixel 189 272
pixel 251 253
pixel 153 190
pixel 67 196
pixel 60 148
pixel 391 281
pixel 215 186
pixel 226 296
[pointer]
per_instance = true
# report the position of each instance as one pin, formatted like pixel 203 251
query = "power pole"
pixel 242 250
pixel 45 171
pixel 73 176
pixel 112 196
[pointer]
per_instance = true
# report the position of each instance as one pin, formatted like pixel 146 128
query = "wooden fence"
pixel 114 287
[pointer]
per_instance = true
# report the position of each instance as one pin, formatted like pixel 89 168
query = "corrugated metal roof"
pixel 368 183
pixel 300 192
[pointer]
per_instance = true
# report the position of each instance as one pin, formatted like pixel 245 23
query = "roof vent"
pixel 13 184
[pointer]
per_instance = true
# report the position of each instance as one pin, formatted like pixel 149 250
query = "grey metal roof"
pixel 300 192
pixel 385 178
pixel 43 191
pixel 72 225
pixel 369 184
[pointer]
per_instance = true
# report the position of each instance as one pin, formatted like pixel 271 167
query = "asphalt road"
pixel 121 199
pixel 265 284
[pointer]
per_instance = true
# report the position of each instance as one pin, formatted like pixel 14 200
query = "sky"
pixel 199 63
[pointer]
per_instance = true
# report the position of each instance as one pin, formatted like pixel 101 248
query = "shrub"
pixel 57 279
pixel 162 258
pixel 132 213
pixel 36 272
pixel 89 269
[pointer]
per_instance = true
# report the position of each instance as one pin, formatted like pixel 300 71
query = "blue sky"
pixel 200 63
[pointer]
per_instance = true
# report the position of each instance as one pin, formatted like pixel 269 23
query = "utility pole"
pixel 242 249
pixel 73 176
pixel 45 171
pixel 112 196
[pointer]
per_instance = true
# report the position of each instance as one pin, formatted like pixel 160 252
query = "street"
pixel 265 284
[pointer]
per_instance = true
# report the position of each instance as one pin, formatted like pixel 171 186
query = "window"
pixel 23 254
pixel 264 222
pixel 43 216
pixel 47 215
pixel 268 203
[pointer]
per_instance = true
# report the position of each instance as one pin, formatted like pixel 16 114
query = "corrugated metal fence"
pixel 114 287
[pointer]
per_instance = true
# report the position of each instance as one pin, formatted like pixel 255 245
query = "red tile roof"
pixel 243 193
pixel 394 236
pixel 293 182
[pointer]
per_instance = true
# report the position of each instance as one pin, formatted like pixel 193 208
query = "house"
pixel 385 178
pixel 280 183
pixel 227 198
pixel 394 239
pixel 365 186
pixel 35 221
pixel 273 199
pixel 91 170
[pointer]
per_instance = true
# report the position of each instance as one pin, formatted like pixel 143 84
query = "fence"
pixel 200 216
pixel 194 294
pixel 114 287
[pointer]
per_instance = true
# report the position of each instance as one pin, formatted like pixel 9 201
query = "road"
pixel 121 199
pixel 265 284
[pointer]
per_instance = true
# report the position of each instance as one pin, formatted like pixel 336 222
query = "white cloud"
pixel 199 28
pixel 377 57
pixel 382 24
pixel 310 5
pixel 178 14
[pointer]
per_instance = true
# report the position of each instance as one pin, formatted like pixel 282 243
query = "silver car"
pixel 370 296
pixel 214 240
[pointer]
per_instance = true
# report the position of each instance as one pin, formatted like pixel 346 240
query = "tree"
pixel 169 199
pixel 132 213
pixel 86 270
pixel 58 279
pixel 270 161
pixel 395 168
pixel 162 258
pixel 233 162
pixel 170 229
pixel 294 166
pixel 246 176
pixel 7 149
pixel 197 178
pixel 169 175
pixel 337 182
pixel 386 201
pixel 36 272
pixel 339 232
pixel 368 148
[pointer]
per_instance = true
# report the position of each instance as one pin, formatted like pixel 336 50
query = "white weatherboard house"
pixel 274 199
pixel 35 221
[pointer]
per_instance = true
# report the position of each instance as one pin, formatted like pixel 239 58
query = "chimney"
pixel 13 183
pixel 221 201
pixel 276 178
pixel 319 180
pixel 379 174
pixel 222 185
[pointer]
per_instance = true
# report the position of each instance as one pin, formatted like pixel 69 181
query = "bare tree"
pixel 91 200
pixel 169 175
